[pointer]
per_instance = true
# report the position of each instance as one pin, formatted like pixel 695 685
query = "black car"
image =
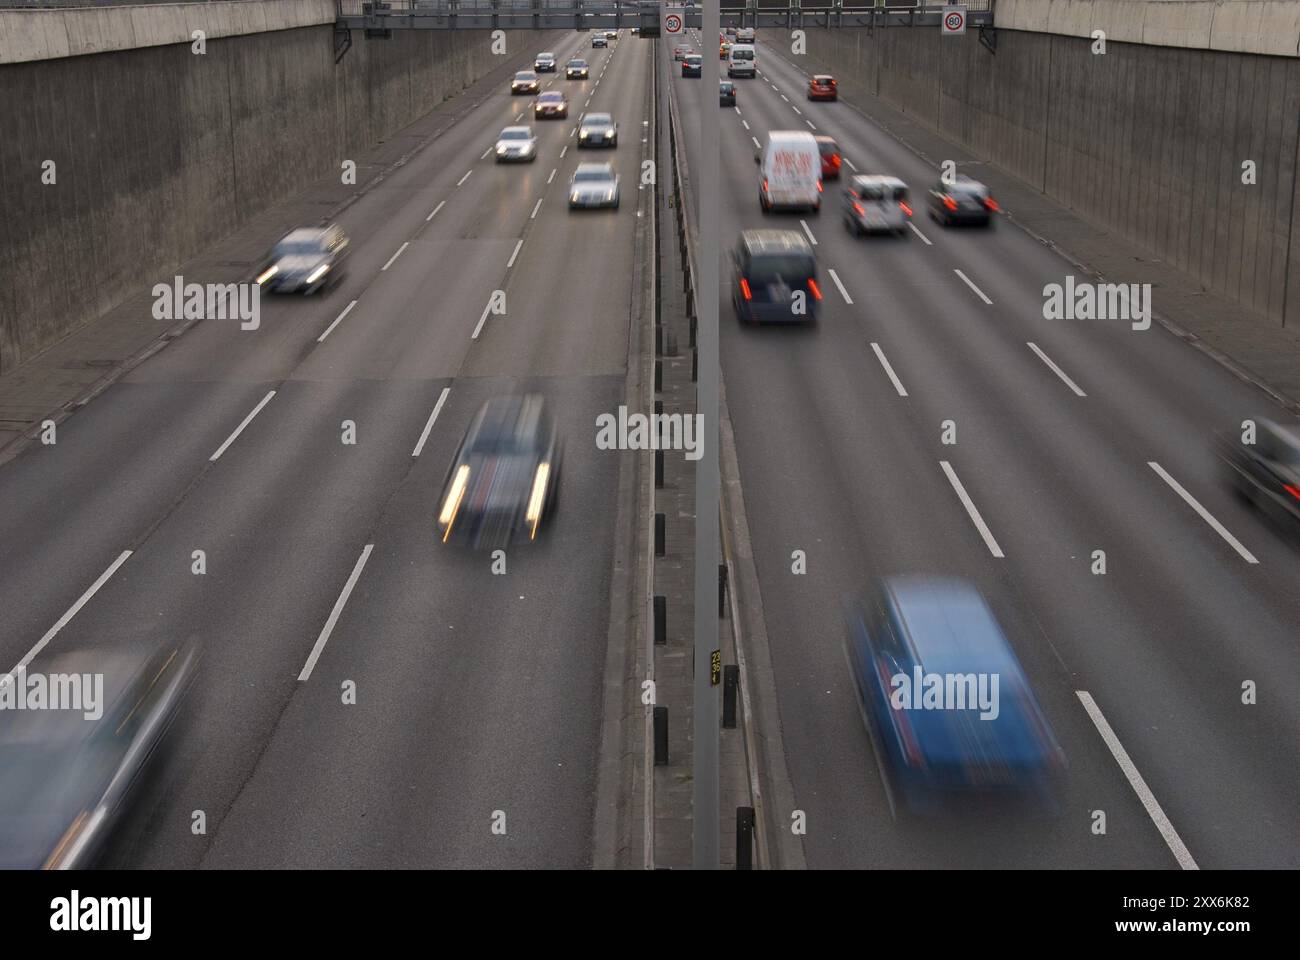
pixel 963 201
pixel 305 261
pixel 1267 472
pixel 693 65
pixel 598 40
pixel 504 480
pixel 726 93
pixel 775 278
pixel 545 63
pixel 70 774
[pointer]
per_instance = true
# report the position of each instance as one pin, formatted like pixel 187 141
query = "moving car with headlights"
pixel 516 145
pixel 577 69
pixel 599 40
pixel 692 65
pixel 611 34
pixel 551 105
pixel 593 185
pixel 832 160
pixel 308 260
pixel 946 701
pixel 791 166
pixel 726 93
pixel 822 86
pixel 963 201
pixel 741 62
pixel 876 204
pixel 545 63
pixel 597 130
pixel 681 50
pixel 525 81
pixel 504 480
pixel 69 775
pixel 1267 472
pixel 775 278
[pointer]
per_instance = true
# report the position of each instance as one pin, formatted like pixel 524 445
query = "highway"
pixel 1071 437
pixel 474 692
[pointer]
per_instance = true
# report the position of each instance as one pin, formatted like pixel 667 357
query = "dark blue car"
pixel 949 705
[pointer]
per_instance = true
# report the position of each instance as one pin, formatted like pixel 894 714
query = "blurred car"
pixel 307 260
pixel 822 86
pixel 1267 472
pixel 724 49
pixel 775 278
pixel 516 144
pixel 525 81
pixel 692 65
pixel 981 730
pixel 599 40
pixel 611 34
pixel 726 93
pixel 963 201
pixel 681 50
pixel 597 130
pixel 874 203
pixel 741 61
pixel 551 105
pixel 577 69
pixel 594 185
pixel 68 775
pixel 832 160
pixel 791 172
pixel 545 63
pixel 504 480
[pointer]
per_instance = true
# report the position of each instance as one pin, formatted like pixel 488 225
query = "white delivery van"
pixel 740 61
pixel 791 172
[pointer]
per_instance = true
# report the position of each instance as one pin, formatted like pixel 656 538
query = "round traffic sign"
pixel 672 23
pixel 954 20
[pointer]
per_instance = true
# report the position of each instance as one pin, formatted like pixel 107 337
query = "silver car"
pixel 305 261
pixel 516 145
pixel 598 130
pixel 874 204
pixel 594 185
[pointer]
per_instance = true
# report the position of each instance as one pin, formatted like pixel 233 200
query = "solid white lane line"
pixel 843 293
pixel 916 230
pixel 811 238
pixel 537 206
pixel 1157 815
pixel 441 204
pixel 330 328
pixel 893 377
pixel 335 614
pixel 437 408
pixel 552 176
pixel 464 178
pixel 63 620
pixel 1057 370
pixel 240 429
pixel 978 292
pixel 1219 528
pixel 970 509
pixel 518 243
pixel 395 256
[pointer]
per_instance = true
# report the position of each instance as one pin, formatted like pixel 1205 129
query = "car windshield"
pixel 872 191
pixel 525 76
pixel 788 267
pixel 546 56
pixel 577 63
pixel 742 54
pixel 596 122
pixel 550 98
pixel 967 189
pixel 297 248
pixel 591 176
pixel 514 134
pixel 828 146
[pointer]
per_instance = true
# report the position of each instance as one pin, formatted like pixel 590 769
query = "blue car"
pixel 947 701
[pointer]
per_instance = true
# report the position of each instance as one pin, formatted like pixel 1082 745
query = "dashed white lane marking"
pixel 978 292
pixel 240 429
pixel 464 178
pixel 441 204
pixel 917 231
pixel 335 614
pixel 518 245
pixel 428 427
pixel 889 370
pixel 1057 370
pixel 337 321
pixel 537 206
pixel 395 256
pixel 1205 515
pixel 970 509
pixel 843 293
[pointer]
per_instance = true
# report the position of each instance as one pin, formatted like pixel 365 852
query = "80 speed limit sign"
pixel 953 21
pixel 673 23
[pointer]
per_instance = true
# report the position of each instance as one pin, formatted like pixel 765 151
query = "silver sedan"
pixel 516 145
pixel 594 185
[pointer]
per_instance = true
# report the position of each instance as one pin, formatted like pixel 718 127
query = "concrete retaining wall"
pixel 159 152
pixel 1146 141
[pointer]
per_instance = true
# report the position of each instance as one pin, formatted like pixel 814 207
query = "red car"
pixel 681 50
pixel 551 105
pixel 822 87
pixel 831 159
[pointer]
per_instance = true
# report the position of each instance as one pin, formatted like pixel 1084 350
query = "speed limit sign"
pixel 673 24
pixel 953 21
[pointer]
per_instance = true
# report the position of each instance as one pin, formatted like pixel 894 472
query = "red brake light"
pixel 765 185
pixel 857 208
pixel 819 186
pixel 950 203
pixel 905 208
pixel 816 290
pixel 991 203
pixel 1291 489
pixel 744 289
pixel 835 160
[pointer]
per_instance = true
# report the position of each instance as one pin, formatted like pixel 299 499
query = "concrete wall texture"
pixel 159 152
pixel 1146 141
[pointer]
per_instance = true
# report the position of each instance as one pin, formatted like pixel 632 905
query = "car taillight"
pixel 950 203
pixel 1291 489
pixel 905 208
pixel 835 160
pixel 857 208
pixel 991 204
pixel 744 289
pixel 765 186
pixel 819 186
pixel 816 290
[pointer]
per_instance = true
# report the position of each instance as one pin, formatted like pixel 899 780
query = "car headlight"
pixel 267 274
pixel 501 149
pixel 455 494
pixel 317 273
pixel 575 197
pixel 533 514
pixel 582 135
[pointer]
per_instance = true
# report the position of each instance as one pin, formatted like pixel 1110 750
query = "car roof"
pixel 950 628
pixel 546 54
pixel 598 118
pixel 964 182
pixel 305 235
pixel 877 179
pixel 822 76
pixel 822 138
pixel 759 242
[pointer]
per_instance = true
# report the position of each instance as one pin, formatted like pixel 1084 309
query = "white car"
pixel 516 144
pixel 593 185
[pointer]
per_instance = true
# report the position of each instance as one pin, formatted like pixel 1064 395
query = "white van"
pixel 791 168
pixel 740 61
pixel 745 35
